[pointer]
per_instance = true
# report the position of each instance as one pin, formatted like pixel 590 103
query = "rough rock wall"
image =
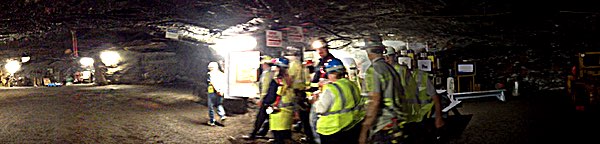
pixel 163 63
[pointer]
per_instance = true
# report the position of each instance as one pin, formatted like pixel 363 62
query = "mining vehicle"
pixel 583 82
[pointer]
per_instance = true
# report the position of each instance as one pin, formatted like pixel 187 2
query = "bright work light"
pixel 86 61
pixel 25 59
pixel 110 58
pixel 317 44
pixel 12 66
pixel 235 43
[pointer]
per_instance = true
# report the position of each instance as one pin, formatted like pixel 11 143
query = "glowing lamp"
pixel 317 44
pixel 12 66
pixel 235 43
pixel 86 61
pixel 110 58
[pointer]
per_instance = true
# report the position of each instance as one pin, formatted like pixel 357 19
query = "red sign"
pixel 295 34
pixel 274 38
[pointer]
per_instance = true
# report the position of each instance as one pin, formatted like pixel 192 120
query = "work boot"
pixel 211 123
pixel 223 120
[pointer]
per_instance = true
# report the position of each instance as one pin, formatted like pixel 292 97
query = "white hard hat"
pixel 349 62
pixel 213 65
pixel 389 51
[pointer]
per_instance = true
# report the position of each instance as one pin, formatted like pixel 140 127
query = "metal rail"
pixel 479 94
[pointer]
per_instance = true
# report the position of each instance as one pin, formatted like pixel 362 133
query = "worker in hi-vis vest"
pixel 421 106
pixel 319 76
pixel 383 86
pixel 281 111
pixel 261 124
pixel 339 107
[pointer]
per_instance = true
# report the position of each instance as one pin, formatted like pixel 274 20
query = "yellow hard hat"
pixel 266 59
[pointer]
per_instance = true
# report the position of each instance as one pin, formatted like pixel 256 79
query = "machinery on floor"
pixel 583 82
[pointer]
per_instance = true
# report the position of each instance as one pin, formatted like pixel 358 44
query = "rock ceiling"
pixel 445 23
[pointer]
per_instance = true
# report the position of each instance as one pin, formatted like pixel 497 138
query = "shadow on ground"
pixel 455 126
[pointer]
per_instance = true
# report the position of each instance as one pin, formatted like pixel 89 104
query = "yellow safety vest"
pixel 409 85
pixel 402 73
pixel 296 72
pixel 282 120
pixel 211 89
pixel 346 110
pixel 419 104
pixel 265 80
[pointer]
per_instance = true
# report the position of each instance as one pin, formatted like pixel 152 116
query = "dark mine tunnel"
pixel 316 71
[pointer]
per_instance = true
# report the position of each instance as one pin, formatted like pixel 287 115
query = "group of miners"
pixel 390 103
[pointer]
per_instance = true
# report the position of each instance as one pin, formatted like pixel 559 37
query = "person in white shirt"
pixel 216 88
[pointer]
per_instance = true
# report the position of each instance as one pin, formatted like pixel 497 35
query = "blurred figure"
pixel 216 88
pixel 319 76
pixel 339 107
pixel 421 106
pixel 391 57
pixel 281 111
pixel 383 85
pixel 261 124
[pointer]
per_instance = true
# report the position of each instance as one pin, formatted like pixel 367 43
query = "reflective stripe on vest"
pixel 314 84
pixel 423 91
pixel 419 105
pixel 340 114
pixel 343 97
pixel 281 105
pixel 388 99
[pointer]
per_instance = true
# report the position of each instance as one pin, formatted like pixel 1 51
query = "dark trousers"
pixel 282 136
pixel 304 114
pixel 421 132
pixel 261 124
pixel 305 121
pixel 390 136
pixel 342 137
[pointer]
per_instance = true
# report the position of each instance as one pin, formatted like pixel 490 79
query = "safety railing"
pixel 479 94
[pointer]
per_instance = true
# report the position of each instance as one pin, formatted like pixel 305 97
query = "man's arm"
pixel 373 87
pixel 271 93
pixel 439 122
pixel 371 115
pixel 324 101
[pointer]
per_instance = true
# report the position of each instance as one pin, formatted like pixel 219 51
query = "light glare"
pixel 110 58
pixel 317 44
pixel 12 66
pixel 86 61
pixel 25 59
pixel 236 43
